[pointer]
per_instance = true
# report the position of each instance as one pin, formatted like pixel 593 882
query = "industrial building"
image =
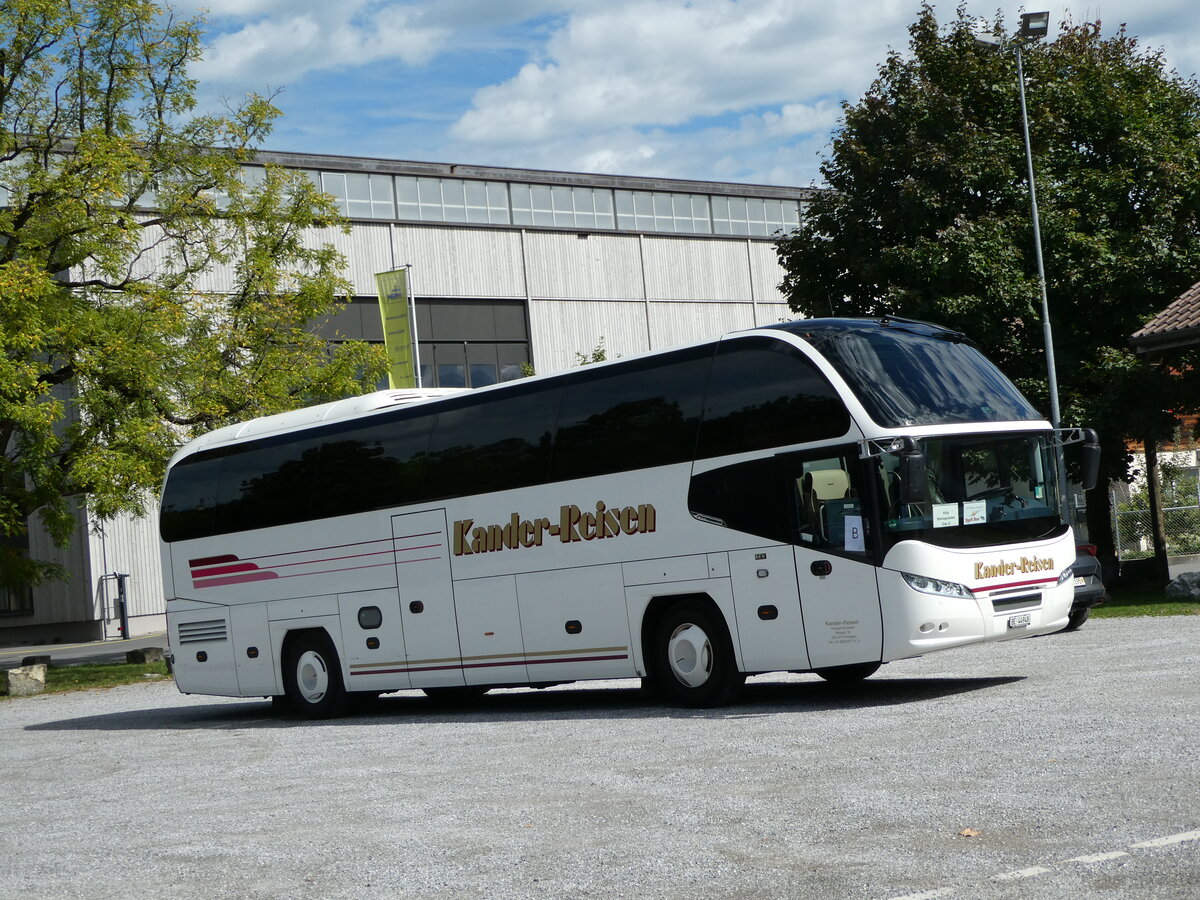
pixel 507 267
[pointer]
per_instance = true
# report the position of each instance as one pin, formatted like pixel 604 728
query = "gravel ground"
pixel 1057 756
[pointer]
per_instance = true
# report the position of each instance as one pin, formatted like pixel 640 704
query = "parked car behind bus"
pixel 1089 585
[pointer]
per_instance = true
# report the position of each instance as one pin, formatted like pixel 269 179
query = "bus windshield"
pixel 983 489
pixel 909 373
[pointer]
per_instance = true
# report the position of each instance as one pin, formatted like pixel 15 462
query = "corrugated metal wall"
pixel 598 267
pixel 58 601
pixel 129 545
pixel 683 269
pixel 459 262
pixel 562 328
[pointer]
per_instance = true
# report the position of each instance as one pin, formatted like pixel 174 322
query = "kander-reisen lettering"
pixel 573 524
pixel 1025 566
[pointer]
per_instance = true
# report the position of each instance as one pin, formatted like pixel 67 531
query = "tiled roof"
pixel 1176 326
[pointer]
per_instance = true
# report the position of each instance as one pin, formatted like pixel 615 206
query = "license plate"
pixel 1080 582
pixel 1018 621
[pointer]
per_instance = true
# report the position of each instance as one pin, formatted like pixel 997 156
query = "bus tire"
pixel 694 661
pixel 848 674
pixel 312 677
pixel 1077 618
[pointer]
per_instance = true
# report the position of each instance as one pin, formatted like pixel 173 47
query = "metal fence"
pixel 1134 537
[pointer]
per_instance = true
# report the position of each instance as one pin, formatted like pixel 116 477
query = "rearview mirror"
pixel 1090 472
pixel 914 485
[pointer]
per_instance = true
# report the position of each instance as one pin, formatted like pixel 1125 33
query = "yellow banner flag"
pixel 397 327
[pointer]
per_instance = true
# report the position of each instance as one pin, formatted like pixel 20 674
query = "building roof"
pixel 1176 327
pixel 327 162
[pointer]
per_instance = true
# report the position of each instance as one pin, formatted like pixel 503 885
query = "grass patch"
pixel 88 677
pixel 1143 600
pixel 85 677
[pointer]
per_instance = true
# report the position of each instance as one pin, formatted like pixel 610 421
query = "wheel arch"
pixel 657 608
pixel 315 638
pixel 286 632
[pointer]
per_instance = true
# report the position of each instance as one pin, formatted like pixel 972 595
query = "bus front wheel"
pixel 694 655
pixel 312 677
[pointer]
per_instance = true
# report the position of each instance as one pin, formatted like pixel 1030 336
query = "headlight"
pixel 939 588
pixel 1065 576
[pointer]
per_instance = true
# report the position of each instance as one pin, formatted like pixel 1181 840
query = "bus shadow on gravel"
pixel 583 702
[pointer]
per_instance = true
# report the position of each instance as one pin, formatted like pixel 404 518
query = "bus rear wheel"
pixel 312 677
pixel 694 657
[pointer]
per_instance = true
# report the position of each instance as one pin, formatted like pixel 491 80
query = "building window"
pixel 17 600
pixel 660 211
pixel 561 206
pixel 471 343
pixel 467 201
pixel 359 195
pixel 753 216
pixel 452 200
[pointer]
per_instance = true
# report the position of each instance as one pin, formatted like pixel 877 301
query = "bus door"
pixel 835 574
pixel 427 599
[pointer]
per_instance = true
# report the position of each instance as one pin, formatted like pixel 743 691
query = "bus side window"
pixel 766 393
pixel 829 510
pixel 749 497
pixel 819 489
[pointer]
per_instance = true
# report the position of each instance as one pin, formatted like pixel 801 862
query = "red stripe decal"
pixel 224 570
pixel 492 665
pixel 234 579
pixel 331 571
pixel 212 560
pixel 313 562
pixel 319 549
pixel 1013 584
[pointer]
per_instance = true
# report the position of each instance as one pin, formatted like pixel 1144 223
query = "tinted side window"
pixel 190 499
pixel 765 393
pixel 750 497
pixel 372 465
pixel 492 443
pixel 266 484
pixel 638 414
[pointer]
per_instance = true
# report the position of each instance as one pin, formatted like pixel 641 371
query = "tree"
pixel 928 216
pixel 149 289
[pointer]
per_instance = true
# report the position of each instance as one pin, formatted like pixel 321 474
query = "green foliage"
pixel 1179 488
pixel 598 354
pixel 115 346
pixel 929 214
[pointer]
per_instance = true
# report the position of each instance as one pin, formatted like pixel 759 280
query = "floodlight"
pixel 1034 24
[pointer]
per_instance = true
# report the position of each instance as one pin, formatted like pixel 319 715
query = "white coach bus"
pixel 819 496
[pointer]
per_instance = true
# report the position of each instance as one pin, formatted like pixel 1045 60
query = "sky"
pixel 745 91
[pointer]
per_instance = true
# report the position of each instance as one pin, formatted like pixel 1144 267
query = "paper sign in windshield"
pixel 945 515
pixel 975 512
pixel 854 534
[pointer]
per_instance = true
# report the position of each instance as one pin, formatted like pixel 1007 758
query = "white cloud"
pixel 740 90
pixel 302 37
pixel 640 63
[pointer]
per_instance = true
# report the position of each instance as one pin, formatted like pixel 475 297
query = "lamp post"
pixel 1035 25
